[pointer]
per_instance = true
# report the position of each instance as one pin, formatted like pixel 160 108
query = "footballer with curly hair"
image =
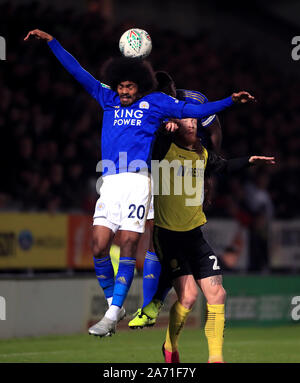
pixel 132 115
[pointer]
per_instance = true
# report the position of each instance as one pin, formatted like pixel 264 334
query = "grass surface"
pixel 241 345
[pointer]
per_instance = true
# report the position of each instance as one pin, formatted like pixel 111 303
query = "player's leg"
pixel 187 292
pixel 132 206
pixel 209 279
pixel 151 269
pixel 215 321
pixel 107 325
pixel 148 314
pixel 128 245
pixel 151 273
pixel 102 240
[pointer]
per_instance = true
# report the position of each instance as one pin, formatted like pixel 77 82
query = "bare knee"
pixel 216 296
pixel 98 248
pixel 128 244
pixel 102 241
pixel 188 298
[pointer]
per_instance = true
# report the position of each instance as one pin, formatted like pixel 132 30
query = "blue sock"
pixel 105 275
pixel 151 272
pixel 124 279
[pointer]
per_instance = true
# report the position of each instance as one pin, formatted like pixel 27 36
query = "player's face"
pixel 187 131
pixel 128 92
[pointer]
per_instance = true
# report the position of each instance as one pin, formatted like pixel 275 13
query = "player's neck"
pixel 184 144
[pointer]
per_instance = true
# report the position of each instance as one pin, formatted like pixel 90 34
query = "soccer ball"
pixel 135 43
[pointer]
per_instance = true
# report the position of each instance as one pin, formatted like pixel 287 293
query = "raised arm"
pixel 199 111
pixel 68 61
pixel 218 164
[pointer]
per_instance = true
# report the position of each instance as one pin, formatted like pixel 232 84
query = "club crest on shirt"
pixel 101 206
pixel 144 105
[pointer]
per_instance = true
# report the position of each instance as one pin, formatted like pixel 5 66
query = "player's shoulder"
pixel 107 94
pixel 191 96
pixel 107 89
pixel 160 98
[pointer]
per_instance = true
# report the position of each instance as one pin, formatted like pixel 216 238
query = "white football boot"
pixel 106 326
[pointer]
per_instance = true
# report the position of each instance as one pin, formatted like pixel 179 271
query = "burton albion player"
pixel 209 130
pixel 187 260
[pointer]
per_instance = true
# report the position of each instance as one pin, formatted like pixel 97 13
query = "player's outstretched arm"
pixel 260 160
pixel 68 61
pixel 38 34
pixel 242 97
pixel 209 108
pixel 218 164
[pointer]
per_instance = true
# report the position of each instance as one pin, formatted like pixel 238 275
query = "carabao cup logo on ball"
pixel 135 43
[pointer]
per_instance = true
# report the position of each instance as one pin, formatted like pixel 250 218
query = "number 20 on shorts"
pixel 138 212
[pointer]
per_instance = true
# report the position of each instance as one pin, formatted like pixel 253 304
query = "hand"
pixel 39 35
pixel 257 160
pixel 242 97
pixel 171 126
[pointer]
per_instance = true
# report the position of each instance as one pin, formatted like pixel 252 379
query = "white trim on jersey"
pixel 208 120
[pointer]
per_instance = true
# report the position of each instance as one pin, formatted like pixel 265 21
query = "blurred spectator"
pixel 261 207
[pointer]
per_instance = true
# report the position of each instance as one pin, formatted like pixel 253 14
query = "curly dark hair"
pixel 165 82
pixel 117 70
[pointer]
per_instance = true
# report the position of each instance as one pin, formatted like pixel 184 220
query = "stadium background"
pixel 50 140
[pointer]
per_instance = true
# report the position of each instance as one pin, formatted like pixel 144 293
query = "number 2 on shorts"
pixel 215 265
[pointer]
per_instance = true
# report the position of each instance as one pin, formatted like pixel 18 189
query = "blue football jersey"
pixel 128 133
pixel 131 130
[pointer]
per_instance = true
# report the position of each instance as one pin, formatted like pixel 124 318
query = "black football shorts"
pixel 185 253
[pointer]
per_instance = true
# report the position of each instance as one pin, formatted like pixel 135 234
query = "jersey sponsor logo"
pixel 144 105
pixel 194 172
pixel 128 117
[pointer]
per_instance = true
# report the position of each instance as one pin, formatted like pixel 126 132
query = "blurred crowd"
pixel 50 127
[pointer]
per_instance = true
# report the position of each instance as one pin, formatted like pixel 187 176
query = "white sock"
pixel 112 312
pixel 109 301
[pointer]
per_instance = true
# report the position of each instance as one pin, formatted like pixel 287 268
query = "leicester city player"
pixel 131 115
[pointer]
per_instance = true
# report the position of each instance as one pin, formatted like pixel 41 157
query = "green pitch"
pixel 244 345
